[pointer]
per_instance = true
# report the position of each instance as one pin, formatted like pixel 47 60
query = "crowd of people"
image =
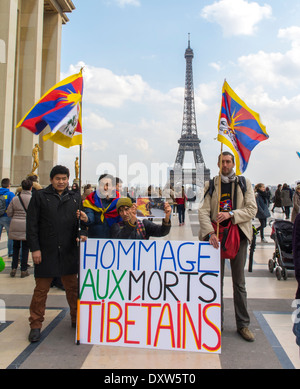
pixel 50 222
pixel 284 199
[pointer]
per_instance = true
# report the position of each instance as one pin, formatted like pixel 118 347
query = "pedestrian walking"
pixel 286 197
pixel 262 209
pixel 17 211
pixel 181 204
pixel 268 192
pixel 277 199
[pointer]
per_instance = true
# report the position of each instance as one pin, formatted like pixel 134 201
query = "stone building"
pixel 30 52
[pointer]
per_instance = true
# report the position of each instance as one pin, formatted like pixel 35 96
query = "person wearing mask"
pixel 100 210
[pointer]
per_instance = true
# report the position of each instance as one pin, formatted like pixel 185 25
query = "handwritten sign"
pixel 150 294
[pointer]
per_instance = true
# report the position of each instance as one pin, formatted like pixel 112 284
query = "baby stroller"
pixel 282 234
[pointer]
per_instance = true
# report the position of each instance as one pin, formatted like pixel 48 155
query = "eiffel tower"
pixel 189 140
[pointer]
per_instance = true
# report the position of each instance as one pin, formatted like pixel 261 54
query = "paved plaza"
pixel 269 302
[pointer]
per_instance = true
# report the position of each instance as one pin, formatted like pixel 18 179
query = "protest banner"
pixel 150 294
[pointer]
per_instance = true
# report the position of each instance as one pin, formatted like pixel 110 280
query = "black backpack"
pixel 2 205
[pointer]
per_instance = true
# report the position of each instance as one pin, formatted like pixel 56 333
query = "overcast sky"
pixel 134 77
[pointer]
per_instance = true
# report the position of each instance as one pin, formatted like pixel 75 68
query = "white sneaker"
pixel 264 240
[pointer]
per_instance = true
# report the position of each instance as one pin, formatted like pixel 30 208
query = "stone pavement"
pixel 269 302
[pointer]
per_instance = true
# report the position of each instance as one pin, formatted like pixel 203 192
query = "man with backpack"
pixel 5 198
pixel 237 204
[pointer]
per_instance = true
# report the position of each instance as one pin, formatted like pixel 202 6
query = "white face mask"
pixel 104 189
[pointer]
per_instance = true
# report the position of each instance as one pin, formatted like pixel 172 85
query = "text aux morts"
pixel 172 285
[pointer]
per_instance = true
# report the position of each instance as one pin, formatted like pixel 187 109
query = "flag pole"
pixel 79 244
pixel 219 192
pixel 79 231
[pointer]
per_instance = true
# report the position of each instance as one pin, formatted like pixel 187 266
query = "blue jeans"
pixel 5 222
pixel 181 212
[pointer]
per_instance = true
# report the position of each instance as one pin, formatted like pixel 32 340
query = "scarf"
pixel 263 194
pixel 229 178
pixel 110 214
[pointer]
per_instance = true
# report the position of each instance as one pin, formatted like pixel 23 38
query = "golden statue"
pixel 77 168
pixel 35 155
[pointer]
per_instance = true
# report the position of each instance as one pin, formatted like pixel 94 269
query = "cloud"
pixel 104 88
pixel 291 33
pixel 145 122
pixel 111 90
pixel 92 121
pixel 216 66
pixel 236 17
pixel 100 145
pixel 275 69
pixel 123 115
pixel 124 3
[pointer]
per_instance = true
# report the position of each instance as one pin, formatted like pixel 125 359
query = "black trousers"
pixel 16 251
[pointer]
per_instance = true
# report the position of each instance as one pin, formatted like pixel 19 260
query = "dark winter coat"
pixel 52 227
pixel 286 197
pixel 277 198
pixel 142 230
pixel 296 252
pixel 262 205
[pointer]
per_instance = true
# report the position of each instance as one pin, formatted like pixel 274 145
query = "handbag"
pixel 21 201
pixel 229 237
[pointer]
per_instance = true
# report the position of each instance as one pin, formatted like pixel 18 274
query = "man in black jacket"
pixel 52 235
pixel 133 228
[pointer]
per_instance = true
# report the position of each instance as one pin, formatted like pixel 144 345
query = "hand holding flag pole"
pixel 219 193
pixel 61 109
pixel 240 129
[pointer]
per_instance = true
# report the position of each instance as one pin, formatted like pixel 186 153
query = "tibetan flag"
pixel 60 108
pixel 240 128
pixel 110 213
pixel 297 152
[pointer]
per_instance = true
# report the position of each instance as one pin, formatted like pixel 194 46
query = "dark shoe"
pixel 13 272
pixel 246 334
pixel 34 335
pixel 24 274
